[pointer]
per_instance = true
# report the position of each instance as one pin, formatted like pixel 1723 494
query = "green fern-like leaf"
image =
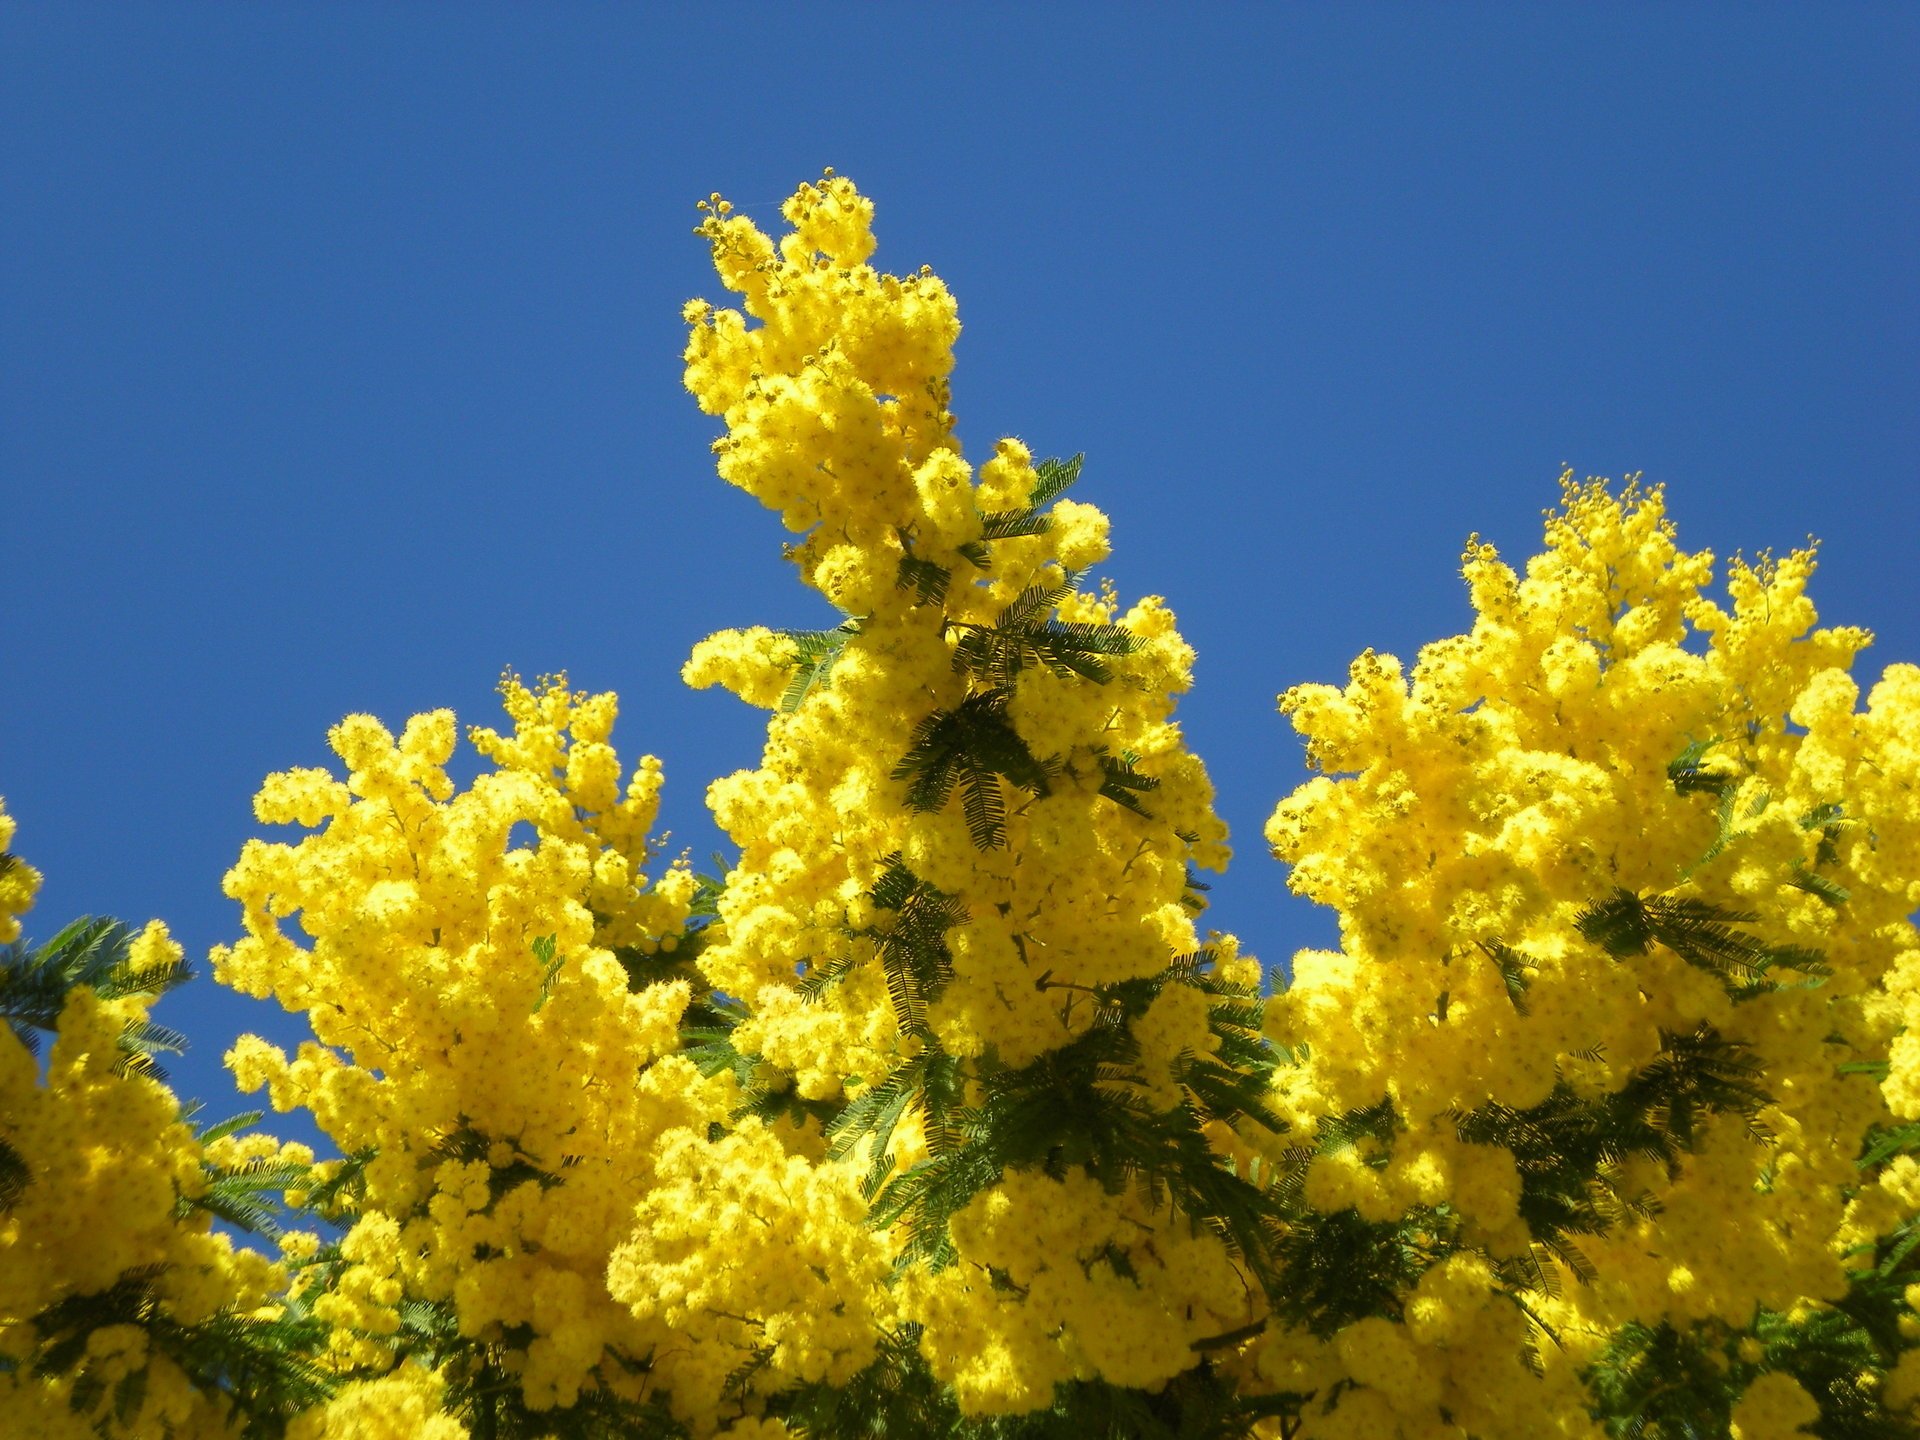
pixel 1052 479
pixel 247 1196
pixel 221 1129
pixel 1083 1108
pixel 1024 636
pixel 1008 524
pixel 1703 935
pixel 817 650
pixel 95 952
pixel 1570 1150
pixel 14 1176
pixel 971 747
pixel 1341 1267
pixel 1829 819
pixel 341 1191
pixel 465 1143
pixel 706 1037
pixel 913 949
pixel 266 1367
pixel 1513 968
pixel 1822 886
pixel 1660 1383
pixel 1122 784
pixel 1689 776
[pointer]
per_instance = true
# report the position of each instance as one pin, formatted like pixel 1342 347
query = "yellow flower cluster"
pixel 941 1098
pixel 479 1036
pixel 1774 1408
pixel 1607 727
pixel 111 1169
pixel 1457 1353
pixel 832 379
pixel 1062 1281
pixel 498 1028
pixel 743 1252
pixel 403 1405
pixel 19 882
pixel 869 464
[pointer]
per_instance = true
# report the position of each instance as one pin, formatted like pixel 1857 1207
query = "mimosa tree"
pixel 939 1112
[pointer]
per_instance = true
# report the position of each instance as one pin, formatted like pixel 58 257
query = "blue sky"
pixel 339 354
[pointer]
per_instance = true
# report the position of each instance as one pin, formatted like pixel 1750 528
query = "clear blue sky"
pixel 339 353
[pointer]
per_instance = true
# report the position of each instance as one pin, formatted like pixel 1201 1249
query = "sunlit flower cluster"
pixel 101 1172
pixel 19 882
pixel 483 1042
pixel 938 1107
pixel 1608 727
pixel 832 379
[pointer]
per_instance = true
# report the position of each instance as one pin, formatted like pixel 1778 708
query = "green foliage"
pixel 247 1196
pixel 263 1366
pixel 483 1387
pixel 1342 1267
pixel 1831 1351
pixel 1665 1383
pixel 1024 636
pixel 1690 775
pixel 481 1378
pixel 35 983
pixel 911 946
pixel 1659 1383
pixel 971 747
pixel 1052 478
pixel 896 1397
pixel 1339 1266
pixel 14 1176
pixel 1570 1149
pixel 929 580
pixel 707 1036
pixel 930 1083
pixel 912 950
pixel 816 652
pixel 1513 968
pixel 1085 1107
pixel 676 959
pixel 543 951
pixel 1123 784
pixel 1837 1352
pixel 470 1146
pixel 1703 935
pixel 341 1192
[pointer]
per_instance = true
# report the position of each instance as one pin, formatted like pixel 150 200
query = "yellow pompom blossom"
pixel 19 882
pixel 742 1250
pixel 1616 827
pixel 110 1171
pixel 498 1029
pixel 1054 868
pixel 1059 1283
pixel 404 1405
pixel 1774 1408
pixel 485 1045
